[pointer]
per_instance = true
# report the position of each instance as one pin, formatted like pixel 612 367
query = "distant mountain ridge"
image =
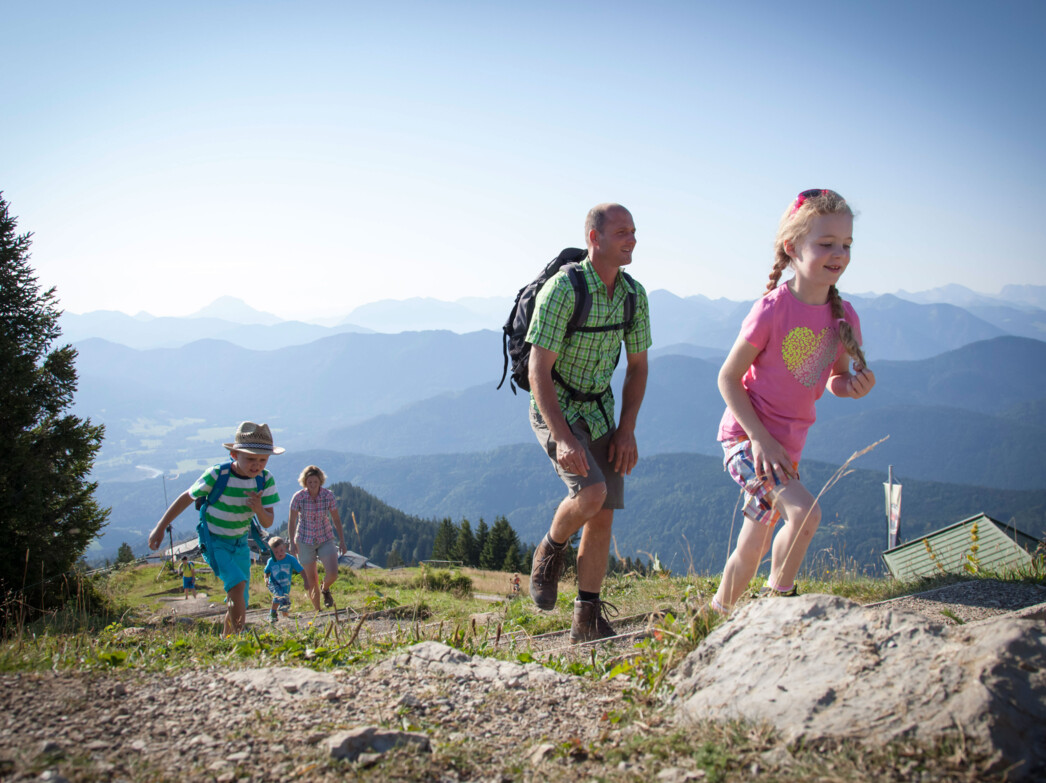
pixel 902 326
pixel 229 308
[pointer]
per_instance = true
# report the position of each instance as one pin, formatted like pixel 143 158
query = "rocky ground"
pixel 470 719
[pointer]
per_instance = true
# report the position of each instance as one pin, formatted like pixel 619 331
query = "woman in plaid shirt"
pixel 312 535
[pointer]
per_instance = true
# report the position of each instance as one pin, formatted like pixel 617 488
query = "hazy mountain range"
pixel 944 318
pixel 960 397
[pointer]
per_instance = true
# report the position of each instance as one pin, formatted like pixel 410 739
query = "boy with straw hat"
pixel 225 520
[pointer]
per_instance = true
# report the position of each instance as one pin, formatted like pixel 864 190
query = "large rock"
pixel 822 666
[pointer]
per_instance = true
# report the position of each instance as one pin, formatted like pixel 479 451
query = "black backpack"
pixel 514 341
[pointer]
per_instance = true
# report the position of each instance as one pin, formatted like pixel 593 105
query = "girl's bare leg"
pixel 802 515
pixel 752 544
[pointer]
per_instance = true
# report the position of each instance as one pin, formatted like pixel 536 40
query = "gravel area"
pixel 207 724
pixel 968 602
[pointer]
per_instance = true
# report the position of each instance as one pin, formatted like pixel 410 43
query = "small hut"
pixel 355 561
pixel 978 543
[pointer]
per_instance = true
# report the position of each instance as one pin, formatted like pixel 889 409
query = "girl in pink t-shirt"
pixel 798 340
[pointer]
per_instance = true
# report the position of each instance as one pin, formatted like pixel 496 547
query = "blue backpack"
pixel 204 533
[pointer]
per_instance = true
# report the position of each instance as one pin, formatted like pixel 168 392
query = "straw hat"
pixel 253 439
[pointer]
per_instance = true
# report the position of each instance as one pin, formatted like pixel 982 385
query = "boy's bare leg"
pixel 236 614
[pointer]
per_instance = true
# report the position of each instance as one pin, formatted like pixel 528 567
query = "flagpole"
pixel 889 511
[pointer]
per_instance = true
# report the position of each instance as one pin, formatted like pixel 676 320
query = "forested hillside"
pixel 381 528
pixel 679 506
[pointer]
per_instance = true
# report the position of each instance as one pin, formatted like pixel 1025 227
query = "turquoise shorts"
pixel 231 561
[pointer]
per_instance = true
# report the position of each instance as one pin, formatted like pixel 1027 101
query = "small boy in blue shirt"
pixel 279 571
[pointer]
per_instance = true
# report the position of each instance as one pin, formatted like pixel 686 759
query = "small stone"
pixel 372 739
pixel 239 756
pixel 541 752
pixel 777 757
pixel 368 759
pixel 50 748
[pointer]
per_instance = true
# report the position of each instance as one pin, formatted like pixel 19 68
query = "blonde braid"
pixel 781 262
pixel 846 331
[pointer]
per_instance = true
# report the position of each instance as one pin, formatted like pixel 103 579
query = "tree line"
pixel 494 548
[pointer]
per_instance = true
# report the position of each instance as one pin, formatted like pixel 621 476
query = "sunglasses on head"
pixel 802 197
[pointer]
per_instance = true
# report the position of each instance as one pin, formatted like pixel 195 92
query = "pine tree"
pixel 482 533
pixel 124 554
pixel 465 545
pixel 511 562
pixel 47 505
pixel 446 536
pixel 501 539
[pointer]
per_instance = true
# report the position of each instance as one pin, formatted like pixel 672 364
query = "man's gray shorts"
pixel 599 468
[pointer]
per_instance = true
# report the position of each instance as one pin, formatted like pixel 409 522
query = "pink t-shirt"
pixel 798 344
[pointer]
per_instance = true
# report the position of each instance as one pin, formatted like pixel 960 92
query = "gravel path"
pixel 207 725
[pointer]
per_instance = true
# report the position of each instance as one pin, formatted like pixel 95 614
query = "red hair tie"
pixel 802 197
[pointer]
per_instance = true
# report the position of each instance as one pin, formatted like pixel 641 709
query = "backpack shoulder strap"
pixel 257 533
pixel 630 300
pixel 582 297
pixel 224 470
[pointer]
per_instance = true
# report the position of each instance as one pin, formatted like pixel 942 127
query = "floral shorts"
pixel 758 505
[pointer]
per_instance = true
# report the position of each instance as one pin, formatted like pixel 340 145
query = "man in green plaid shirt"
pixel 572 412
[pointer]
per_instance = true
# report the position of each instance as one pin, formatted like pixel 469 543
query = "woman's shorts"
pixel 231 561
pixel 739 463
pixel 326 552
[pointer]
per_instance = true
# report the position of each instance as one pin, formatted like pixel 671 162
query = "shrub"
pixel 441 581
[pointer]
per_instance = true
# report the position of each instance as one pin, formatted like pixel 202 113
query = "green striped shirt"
pixel 586 359
pixel 230 516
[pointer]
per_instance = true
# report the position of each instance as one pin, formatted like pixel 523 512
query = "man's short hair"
pixel 597 217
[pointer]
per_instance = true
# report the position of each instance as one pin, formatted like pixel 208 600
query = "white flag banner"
pixel 893 511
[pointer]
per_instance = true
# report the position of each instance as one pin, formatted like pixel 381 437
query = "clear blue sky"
pixel 309 157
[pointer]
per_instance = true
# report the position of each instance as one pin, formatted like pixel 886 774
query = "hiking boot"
pixel 769 591
pixel 273 618
pixel 590 621
pixel 328 599
pixel 544 574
